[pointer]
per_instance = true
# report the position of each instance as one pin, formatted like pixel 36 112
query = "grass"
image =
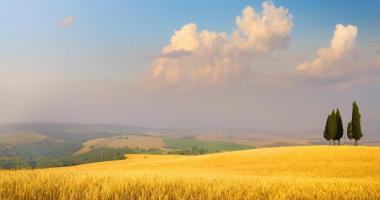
pixel 316 172
pixel 130 141
pixel 211 146
pixel 16 138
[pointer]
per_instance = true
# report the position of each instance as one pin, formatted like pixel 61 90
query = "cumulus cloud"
pixel 330 61
pixel 263 32
pixel 205 57
pixel 341 65
pixel 66 22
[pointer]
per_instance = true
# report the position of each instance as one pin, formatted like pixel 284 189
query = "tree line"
pixel 334 126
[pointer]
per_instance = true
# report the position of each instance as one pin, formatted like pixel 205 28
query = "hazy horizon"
pixel 279 65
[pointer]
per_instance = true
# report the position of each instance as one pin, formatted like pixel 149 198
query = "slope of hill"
pixel 21 138
pixel 313 161
pixel 315 172
pixel 130 141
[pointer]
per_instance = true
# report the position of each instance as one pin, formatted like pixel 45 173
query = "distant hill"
pixel 29 145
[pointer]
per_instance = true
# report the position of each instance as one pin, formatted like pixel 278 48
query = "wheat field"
pixel 314 172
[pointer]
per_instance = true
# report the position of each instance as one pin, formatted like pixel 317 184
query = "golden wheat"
pixel 274 173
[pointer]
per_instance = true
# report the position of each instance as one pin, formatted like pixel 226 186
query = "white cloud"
pixel 341 66
pixel 331 60
pixel 196 57
pixel 66 22
pixel 263 32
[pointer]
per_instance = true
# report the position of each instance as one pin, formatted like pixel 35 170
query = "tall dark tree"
pixel 326 133
pixel 339 126
pixel 356 126
pixel 331 126
pixel 349 131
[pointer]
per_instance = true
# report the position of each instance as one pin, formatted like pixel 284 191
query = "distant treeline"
pixel 334 126
pixel 194 151
pixel 22 161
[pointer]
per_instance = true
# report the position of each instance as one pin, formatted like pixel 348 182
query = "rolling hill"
pixel 130 141
pixel 313 172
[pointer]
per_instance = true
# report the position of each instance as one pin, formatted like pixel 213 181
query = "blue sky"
pixel 110 46
pixel 148 25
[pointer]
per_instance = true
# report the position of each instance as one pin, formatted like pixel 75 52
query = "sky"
pixel 281 65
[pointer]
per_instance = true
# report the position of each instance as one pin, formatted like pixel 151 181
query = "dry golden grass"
pixel 318 172
pixel 22 137
pixel 142 142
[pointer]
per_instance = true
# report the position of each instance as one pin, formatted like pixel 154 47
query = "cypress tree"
pixel 326 133
pixel 349 131
pixel 339 127
pixel 356 126
pixel 332 128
